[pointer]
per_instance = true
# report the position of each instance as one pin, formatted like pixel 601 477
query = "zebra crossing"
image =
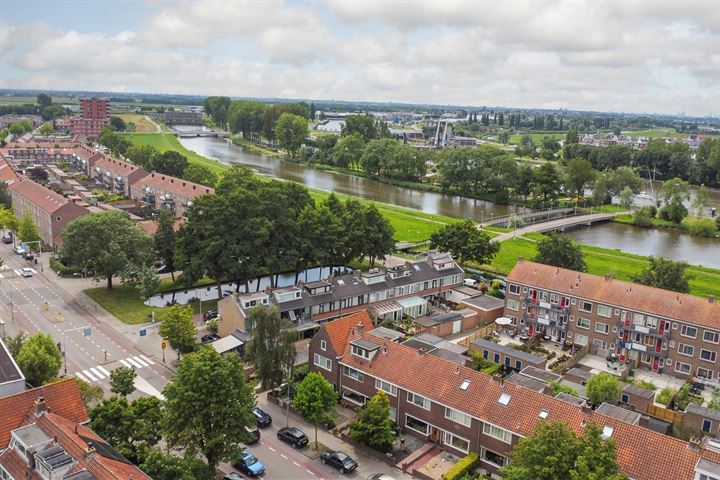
pixel 99 372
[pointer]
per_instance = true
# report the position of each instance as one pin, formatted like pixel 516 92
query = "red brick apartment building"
pixel 95 117
pixel 463 410
pixel 647 327
pixel 163 192
pixel 115 175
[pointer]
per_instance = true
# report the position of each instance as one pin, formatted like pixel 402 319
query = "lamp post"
pixel 197 294
pixel 86 331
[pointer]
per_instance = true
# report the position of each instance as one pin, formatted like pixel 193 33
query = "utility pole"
pixel 287 406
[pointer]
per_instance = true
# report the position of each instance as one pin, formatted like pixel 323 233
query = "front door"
pixel 457 326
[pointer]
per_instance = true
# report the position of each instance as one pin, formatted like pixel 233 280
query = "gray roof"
pixel 428 338
pixel 567 398
pixel 386 333
pixel 637 391
pixel 451 356
pixel 512 352
pixel 619 413
pixel 708 466
pixel 579 372
pixel 540 374
pixel 32 435
pixel 575 386
pixel 703 411
pixel 9 371
pixel 527 382
pixel 366 344
pixel 484 302
pixel 437 319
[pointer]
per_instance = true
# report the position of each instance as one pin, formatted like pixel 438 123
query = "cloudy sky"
pixel 635 56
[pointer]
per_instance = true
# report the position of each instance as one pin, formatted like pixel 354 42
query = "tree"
pixel 291 132
pixel 627 198
pixel 39 359
pixel 366 126
pixel 107 242
pixel 46 129
pixel 208 412
pixel 675 192
pixel 122 381
pixel 700 201
pixel 166 466
pixel 603 388
pixel 559 251
pixel 143 278
pixel 44 100
pixel 373 425
pixel 27 230
pixel 20 127
pixel 553 452
pixel 90 394
pixel 664 273
pixel 624 177
pixel 217 108
pixel 578 175
pixel 118 124
pixel 118 144
pixel 348 150
pixel 465 242
pixel 178 328
pixel 5 202
pixel 171 163
pixel 143 156
pixel 315 400
pixel 571 137
pixel 378 234
pixel 272 348
pixel 200 174
pixel 164 241
pixel 547 182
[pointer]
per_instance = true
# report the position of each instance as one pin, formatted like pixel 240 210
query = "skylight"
pixel 504 398
pixel 607 432
pixel 465 384
pixel 341 282
pixel 543 414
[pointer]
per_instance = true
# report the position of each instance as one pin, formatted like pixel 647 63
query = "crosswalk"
pixel 99 372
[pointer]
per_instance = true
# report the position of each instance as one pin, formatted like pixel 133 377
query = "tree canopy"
pixel 603 388
pixel 315 399
pixel 27 230
pixel 373 425
pixel 272 349
pixel 559 251
pixel 178 328
pixel 39 359
pixel 164 242
pixel 664 273
pixel 291 131
pixel 465 242
pixel 122 381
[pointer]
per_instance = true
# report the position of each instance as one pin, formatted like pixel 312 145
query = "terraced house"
pixel 647 327
pixel 462 410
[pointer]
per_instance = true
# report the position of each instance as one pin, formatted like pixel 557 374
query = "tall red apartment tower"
pixel 95 117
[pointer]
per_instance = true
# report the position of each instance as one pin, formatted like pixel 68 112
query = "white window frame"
pixel 712 353
pixel 425 403
pixel 679 367
pixel 581 339
pixel 386 387
pixel 497 433
pixel 582 304
pixel 583 320
pixel 458 417
pixel 359 376
pixel 448 438
pixel 715 334
pixel 483 457
pixel 323 345
pixel 685 328
pixel 710 375
pixel 318 358
pixel 682 350
pixel 513 305
pixel 601 308
pixel 603 331
pixel 414 429
pixel 638 319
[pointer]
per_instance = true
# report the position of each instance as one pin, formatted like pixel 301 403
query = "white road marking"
pixel 284 456
pixel 311 473
pixel 147 360
pixel 125 363
pixel 89 375
pixel 81 376
pixel 133 362
pixel 140 361
pixel 296 464
pixel 103 370
pixel 272 449
pixel 97 373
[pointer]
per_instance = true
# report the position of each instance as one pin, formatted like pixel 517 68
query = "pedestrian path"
pixel 99 372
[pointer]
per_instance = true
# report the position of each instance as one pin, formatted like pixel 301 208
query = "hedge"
pixel 468 463
pixel 60 268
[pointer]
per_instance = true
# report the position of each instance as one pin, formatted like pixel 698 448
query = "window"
pixel 602 328
pixel 417 425
pixel 649 341
pixel 354 374
pixel 323 362
pixel 518 365
pixel 585 306
pixel 651 322
pixel 688 331
pixel 418 400
pixel 624 398
pixel 712 337
pixel 513 304
pixel 708 356
pixel 581 339
pixel 583 323
pixel 4 475
pixel 682 367
pixel 514 288
pixel 353 397
pixel 456 442
pixel 706 426
pixel 604 311
pixel 497 432
pixel 687 350
pixel 386 387
pixel 493 458
pixel 705 373
pixel 457 417
pixel 323 345
pixel 638 319
pixel 360 352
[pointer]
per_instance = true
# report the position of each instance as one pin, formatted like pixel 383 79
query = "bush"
pixel 665 396
pixel 717 222
pixel 60 268
pixel 465 465
pixel 703 227
pixel 515 221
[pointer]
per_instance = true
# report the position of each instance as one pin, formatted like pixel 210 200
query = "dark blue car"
pixel 263 419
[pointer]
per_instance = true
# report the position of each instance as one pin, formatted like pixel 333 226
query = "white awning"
pixel 411 302
pixel 386 308
pixel 226 344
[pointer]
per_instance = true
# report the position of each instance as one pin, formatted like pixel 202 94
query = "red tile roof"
pixel 174 185
pixel 43 198
pixel 339 330
pixel 17 467
pixel 62 398
pixel 117 166
pixel 655 301
pixel 642 453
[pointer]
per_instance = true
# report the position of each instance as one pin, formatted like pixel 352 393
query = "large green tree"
pixel 373 425
pixel 164 242
pixel 166 466
pixel 465 242
pixel 315 400
pixel 272 349
pixel 603 388
pixel 664 273
pixel 200 174
pixel 291 132
pixel 143 156
pixel 178 328
pixel 366 126
pixel 171 163
pixel 44 100
pixel 559 251
pixel 122 381
pixel 39 359
pixel 208 405
pixel 108 243
pixel 217 108
pixel 27 230
pixel 578 175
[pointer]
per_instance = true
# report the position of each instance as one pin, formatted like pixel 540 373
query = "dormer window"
pixel 364 348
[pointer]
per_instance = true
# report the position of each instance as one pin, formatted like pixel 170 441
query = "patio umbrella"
pixel 503 321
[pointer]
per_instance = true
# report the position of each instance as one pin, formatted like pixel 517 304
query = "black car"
pixel 293 436
pixel 7 238
pixel 339 460
pixel 28 255
pixel 210 314
pixel 210 337
pixel 263 419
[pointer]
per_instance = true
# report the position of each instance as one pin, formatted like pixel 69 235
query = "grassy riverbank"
pixel 168 141
pixel 254 147
pixel 688 225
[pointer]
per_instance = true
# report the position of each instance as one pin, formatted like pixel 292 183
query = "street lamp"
pixel 197 294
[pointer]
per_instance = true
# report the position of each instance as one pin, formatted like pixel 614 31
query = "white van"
pixel 470 282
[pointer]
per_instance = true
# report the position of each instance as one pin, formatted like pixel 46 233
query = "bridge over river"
pixel 558 224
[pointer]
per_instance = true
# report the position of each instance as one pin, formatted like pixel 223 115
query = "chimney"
pixel 711 298
pixel 694 443
pixel 497 378
pixel 361 328
pixel 457 370
pixel 39 406
pixel 421 351
pixel 608 277
pixel 520 259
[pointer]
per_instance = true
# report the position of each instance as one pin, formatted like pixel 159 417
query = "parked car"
pixel 380 476
pixel 26 272
pixel 210 314
pixel 263 419
pixel 255 432
pixel 28 255
pixel 210 337
pixel 343 462
pixel 19 250
pixel 478 277
pixel 470 282
pixel 7 238
pixel 249 464
pixel 233 476
pixel 293 436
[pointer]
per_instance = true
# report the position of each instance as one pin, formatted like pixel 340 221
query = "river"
pixel 428 202
pixel 651 241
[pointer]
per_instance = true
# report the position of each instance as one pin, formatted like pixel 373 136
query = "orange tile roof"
pixel 642 298
pixel 43 198
pixel 174 185
pixel 338 330
pixel 17 467
pixel 62 398
pixel 118 166
pixel 642 453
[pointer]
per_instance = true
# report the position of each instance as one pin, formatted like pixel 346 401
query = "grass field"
pixel 142 124
pixel 9 100
pixel 537 138
pixel 658 132
pixel 167 141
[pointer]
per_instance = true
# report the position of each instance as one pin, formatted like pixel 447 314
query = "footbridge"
pixel 200 133
pixel 558 224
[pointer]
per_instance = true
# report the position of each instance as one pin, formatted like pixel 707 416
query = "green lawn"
pixel 142 124
pixel 537 138
pixel 123 302
pixel 167 141
pixel 658 132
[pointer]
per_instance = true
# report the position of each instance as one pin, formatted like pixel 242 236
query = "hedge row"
pixel 467 464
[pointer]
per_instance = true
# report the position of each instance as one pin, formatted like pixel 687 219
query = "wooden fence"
pixel 483 332
pixel 665 414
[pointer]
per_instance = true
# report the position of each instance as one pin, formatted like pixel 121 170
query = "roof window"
pixel 465 384
pixel 504 398
pixel 607 432
pixel 543 414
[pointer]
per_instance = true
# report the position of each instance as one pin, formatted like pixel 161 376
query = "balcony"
pixel 548 322
pixel 653 332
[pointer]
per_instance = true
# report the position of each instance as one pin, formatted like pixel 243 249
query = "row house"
pixel 462 410
pixel 10 118
pixel 390 293
pixel 165 193
pixel 39 155
pixel 646 327
pixel 50 211
pixel 174 117
pixel 115 175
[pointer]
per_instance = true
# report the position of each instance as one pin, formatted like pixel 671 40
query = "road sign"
pixel 143 332
pixel 163 345
pixel 87 331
